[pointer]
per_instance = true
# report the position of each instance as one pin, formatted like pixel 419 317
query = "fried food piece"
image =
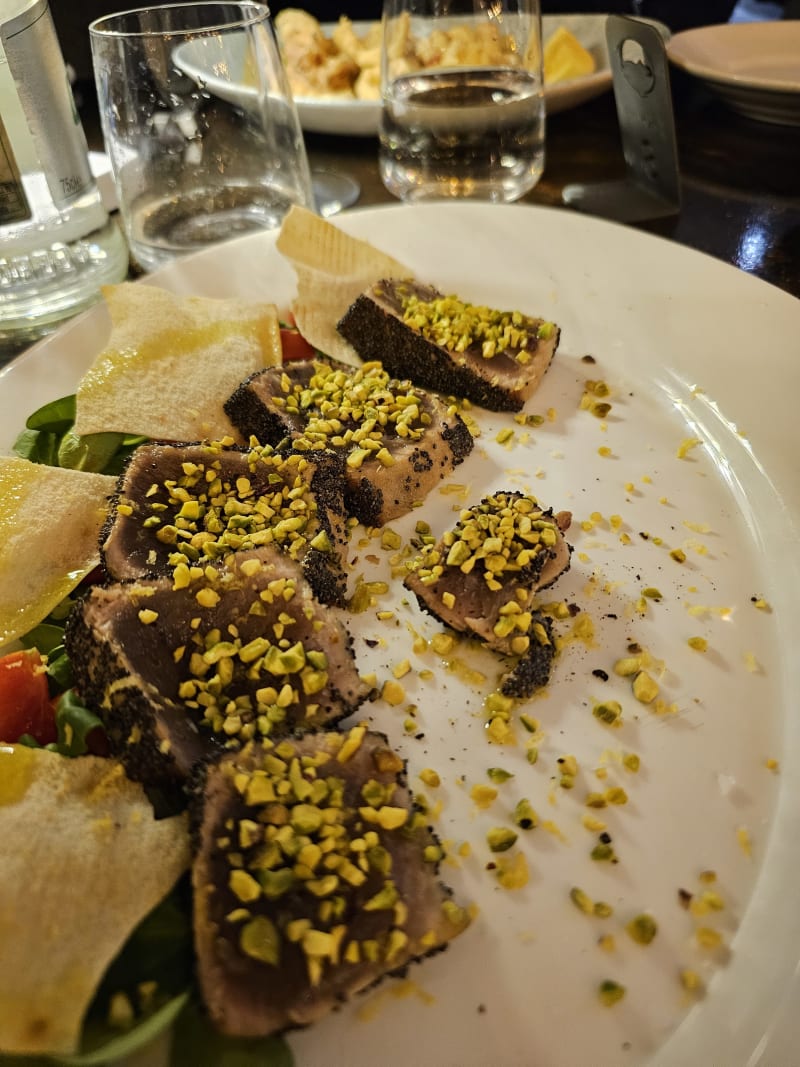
pixel 84 861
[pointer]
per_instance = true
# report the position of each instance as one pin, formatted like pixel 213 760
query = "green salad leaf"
pixel 195 1043
pixel 149 987
pixel 49 438
pixel 74 723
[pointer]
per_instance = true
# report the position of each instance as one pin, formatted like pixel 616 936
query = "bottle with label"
pixel 58 245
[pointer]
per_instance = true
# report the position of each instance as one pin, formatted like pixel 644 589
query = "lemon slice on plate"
pixel 565 58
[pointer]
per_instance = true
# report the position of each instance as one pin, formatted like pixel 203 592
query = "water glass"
pixel 199 124
pixel 463 99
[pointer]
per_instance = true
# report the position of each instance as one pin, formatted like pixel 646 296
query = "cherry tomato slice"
pixel 295 346
pixel 25 704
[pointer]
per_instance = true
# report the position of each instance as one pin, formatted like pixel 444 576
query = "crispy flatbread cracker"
pixel 172 361
pixel 332 270
pixel 83 862
pixel 50 521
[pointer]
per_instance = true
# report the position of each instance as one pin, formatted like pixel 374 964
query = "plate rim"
pixel 677 53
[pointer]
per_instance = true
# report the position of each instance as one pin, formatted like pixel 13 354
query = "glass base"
pixel 41 289
pixel 333 192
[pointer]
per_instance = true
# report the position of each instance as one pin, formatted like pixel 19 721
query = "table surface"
pixel 740 179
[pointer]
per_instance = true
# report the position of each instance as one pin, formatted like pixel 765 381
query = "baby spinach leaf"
pixel 195 1043
pixel 74 723
pixel 102 1049
pixel 91 452
pixel 56 416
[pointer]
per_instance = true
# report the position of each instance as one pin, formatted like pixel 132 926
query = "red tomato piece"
pixel 25 704
pixel 295 346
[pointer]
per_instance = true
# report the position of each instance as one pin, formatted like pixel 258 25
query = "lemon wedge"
pixel 565 57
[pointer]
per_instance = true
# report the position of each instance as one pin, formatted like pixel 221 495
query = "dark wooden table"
pixel 740 178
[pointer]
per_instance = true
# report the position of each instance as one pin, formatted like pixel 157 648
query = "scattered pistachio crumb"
pixel 393 693
pixel 686 446
pixel 582 901
pixel 524 816
pixel 610 992
pixel 642 929
pixel 483 796
pixel 430 778
pixel 512 871
pixel 751 663
pixel 645 687
pixel 500 838
pixel 609 712
pixel 691 980
pixel 499 775
pixel 743 837
pixel 708 937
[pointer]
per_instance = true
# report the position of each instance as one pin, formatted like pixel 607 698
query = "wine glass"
pixel 333 191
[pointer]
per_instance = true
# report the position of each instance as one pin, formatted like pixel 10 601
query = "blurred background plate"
pixel 753 66
pixel 359 118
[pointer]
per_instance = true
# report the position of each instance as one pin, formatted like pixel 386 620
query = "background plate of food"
pixel 334 75
pixel 623 918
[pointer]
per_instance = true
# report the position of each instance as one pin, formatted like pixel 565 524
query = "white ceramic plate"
pixel 350 117
pixel 673 334
pixel 753 66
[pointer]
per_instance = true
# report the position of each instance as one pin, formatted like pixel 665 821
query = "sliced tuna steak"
pixel 189 505
pixel 494 358
pixel 314 878
pixel 398 441
pixel 482 578
pixel 179 674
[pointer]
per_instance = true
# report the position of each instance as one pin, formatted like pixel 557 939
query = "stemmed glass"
pixel 333 192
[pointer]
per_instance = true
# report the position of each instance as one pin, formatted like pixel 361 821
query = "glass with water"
pixel 463 99
pixel 199 123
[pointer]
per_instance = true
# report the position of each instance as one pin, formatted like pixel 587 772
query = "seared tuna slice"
pixel 314 878
pixel 398 441
pixel 482 578
pixel 178 674
pixel 494 358
pixel 189 505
